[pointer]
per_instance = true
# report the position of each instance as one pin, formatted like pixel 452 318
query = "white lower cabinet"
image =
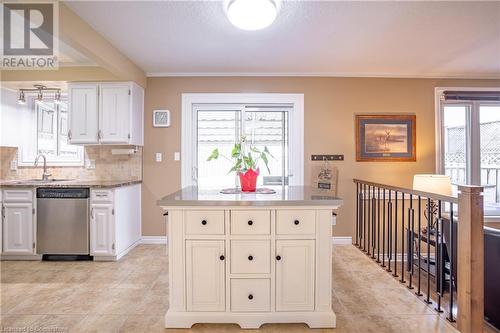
pixel 249 266
pixel 205 278
pixel 18 220
pixel 18 228
pixel 102 233
pixel 115 221
pixel 295 275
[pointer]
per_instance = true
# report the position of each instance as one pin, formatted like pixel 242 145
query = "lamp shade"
pixel 439 184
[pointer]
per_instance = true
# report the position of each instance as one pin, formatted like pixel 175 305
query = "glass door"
pixel 221 127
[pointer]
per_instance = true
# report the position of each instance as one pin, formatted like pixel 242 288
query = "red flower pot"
pixel 248 180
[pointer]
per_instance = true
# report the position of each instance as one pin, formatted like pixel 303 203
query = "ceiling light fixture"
pixel 57 98
pixel 252 14
pixel 39 97
pixel 22 99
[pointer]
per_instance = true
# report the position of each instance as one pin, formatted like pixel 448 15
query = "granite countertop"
pixel 284 196
pixel 69 183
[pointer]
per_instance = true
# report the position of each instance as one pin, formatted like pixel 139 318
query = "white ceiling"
pixel 396 39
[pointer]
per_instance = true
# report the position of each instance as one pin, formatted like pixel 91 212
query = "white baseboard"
pixel 154 240
pixel 342 240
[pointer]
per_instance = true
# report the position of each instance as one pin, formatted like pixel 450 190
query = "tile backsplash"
pixel 107 166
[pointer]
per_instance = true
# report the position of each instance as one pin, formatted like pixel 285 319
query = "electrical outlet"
pixel 177 156
pixel 159 157
pixel 13 165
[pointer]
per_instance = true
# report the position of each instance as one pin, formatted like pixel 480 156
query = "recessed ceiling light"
pixel 252 14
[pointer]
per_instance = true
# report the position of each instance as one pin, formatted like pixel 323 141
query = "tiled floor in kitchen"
pixel 132 296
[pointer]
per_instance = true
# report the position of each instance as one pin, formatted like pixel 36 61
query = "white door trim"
pixel 296 118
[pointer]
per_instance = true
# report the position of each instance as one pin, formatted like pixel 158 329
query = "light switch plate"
pixel 177 156
pixel 13 165
pixel 159 157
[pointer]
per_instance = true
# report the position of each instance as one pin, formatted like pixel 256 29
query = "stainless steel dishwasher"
pixel 63 222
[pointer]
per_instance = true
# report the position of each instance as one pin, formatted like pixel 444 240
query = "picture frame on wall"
pixel 382 138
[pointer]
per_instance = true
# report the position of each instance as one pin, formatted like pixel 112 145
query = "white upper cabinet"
pixel 117 117
pixel 83 113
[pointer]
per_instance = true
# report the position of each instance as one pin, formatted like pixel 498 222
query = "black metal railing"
pixel 413 235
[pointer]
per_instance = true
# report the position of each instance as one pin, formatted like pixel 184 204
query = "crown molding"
pixel 495 76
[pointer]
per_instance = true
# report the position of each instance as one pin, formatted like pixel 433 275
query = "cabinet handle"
pixel 92 213
pixel 3 212
pixel 250 222
pixel 250 257
pixel 69 134
pixel 278 257
pixel 221 257
pixel 296 222
pixel 250 296
pixel 204 222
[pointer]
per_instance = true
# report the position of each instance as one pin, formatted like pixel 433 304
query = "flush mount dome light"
pixel 252 14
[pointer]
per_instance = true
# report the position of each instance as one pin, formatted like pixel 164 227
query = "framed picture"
pixel 385 138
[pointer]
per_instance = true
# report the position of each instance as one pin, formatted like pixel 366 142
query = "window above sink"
pixel 46 132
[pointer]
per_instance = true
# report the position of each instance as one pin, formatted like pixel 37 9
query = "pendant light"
pixel 57 98
pixel 39 97
pixel 252 14
pixel 22 99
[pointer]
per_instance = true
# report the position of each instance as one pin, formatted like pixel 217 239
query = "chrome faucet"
pixel 45 175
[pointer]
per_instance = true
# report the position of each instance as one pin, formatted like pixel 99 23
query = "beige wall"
pixel 330 106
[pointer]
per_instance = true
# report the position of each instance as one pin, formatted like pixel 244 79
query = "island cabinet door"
pixel 205 277
pixel 295 275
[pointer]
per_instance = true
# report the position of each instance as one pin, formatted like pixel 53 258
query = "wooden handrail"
pixel 429 195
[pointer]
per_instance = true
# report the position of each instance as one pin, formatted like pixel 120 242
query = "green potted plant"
pixel 245 158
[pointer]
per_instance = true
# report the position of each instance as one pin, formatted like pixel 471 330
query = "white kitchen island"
pixel 250 259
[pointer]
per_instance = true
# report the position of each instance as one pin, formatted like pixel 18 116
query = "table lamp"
pixel 438 184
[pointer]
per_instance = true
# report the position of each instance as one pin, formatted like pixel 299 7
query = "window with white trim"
pixel 47 133
pixel 220 125
pixel 470 142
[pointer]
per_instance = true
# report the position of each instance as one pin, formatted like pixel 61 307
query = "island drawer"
pixel 250 256
pixel 250 222
pixel 295 222
pixel 204 222
pixel 250 295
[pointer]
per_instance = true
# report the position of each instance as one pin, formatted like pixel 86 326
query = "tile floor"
pixel 132 296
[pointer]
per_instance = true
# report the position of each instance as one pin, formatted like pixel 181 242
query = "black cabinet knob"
pixel 250 222
pixel 221 257
pixel 278 257
pixel 250 296
pixel 204 222
pixel 296 222
pixel 250 257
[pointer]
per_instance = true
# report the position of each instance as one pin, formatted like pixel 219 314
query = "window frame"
pixel 233 101
pixel 28 146
pixel 473 135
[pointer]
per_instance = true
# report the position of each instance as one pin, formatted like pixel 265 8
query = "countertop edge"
pixel 71 184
